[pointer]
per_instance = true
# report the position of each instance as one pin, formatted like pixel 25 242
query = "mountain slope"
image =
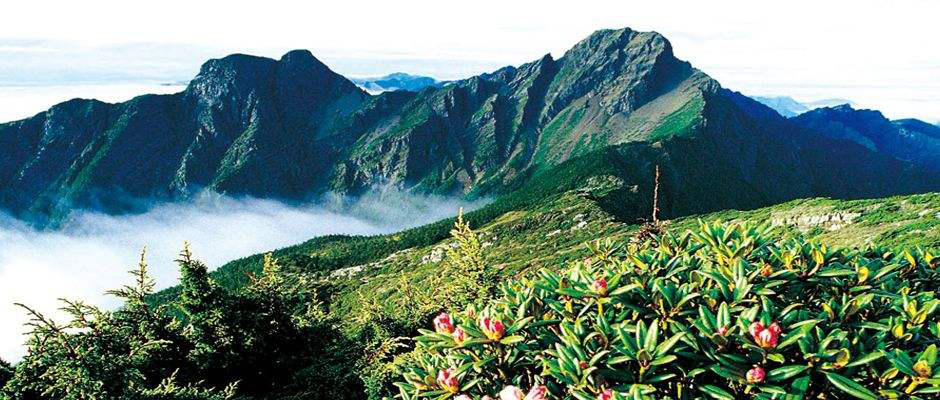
pixel 292 129
pixel 240 126
pixel 909 139
pixel 549 230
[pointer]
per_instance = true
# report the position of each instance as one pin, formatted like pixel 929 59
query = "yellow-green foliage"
pixel 724 311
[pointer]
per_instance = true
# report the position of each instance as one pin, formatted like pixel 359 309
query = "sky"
pixel 879 54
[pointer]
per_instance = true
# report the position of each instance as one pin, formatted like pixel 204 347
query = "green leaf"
pixel 929 355
pixel 664 360
pixel 508 340
pixel 850 387
pixel 707 318
pixel 664 347
pixel 716 392
pixel 866 359
pixel 724 315
pixel 652 337
pixel 784 373
pixel 800 386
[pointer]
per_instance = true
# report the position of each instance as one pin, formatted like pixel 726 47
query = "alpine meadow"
pixel 607 222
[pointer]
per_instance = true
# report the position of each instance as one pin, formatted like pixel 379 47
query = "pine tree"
pixel 99 354
pixel 6 372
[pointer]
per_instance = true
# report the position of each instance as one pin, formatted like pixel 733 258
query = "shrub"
pixel 268 340
pixel 131 353
pixel 723 312
pixel 6 372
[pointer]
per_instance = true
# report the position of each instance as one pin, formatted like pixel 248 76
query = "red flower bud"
pixel 537 393
pixel 599 286
pixel 459 336
pixel 775 328
pixel 447 380
pixel 443 324
pixel 766 339
pixel 607 394
pixel 493 329
pixel 756 375
pixel 723 331
pixel 766 271
pixel 583 364
pixel 755 329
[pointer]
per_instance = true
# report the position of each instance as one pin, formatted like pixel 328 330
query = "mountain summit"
pixel 293 129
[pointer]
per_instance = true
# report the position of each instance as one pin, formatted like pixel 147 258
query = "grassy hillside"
pixel 335 313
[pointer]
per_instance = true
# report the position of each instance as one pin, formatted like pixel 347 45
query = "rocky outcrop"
pixel 831 221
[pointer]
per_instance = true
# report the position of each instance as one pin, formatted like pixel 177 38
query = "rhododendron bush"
pixel 723 312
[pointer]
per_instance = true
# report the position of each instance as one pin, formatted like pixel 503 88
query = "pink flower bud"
pixel 447 380
pixel 443 324
pixel 723 331
pixel 511 393
pixel 766 339
pixel 493 329
pixel 599 286
pixel 459 336
pixel 537 393
pixel 766 271
pixel 607 394
pixel 462 397
pixel 755 329
pixel 775 328
pixel 756 375
pixel 487 397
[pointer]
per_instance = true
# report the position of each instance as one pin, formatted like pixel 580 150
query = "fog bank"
pixel 94 251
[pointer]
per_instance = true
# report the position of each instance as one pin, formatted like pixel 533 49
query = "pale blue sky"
pixel 879 54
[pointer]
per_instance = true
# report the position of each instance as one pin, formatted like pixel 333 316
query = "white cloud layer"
pixel 95 251
pixel 879 54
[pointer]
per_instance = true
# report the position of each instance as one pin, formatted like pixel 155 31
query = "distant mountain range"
pixel 788 107
pixel 907 139
pixel 618 103
pixel 397 81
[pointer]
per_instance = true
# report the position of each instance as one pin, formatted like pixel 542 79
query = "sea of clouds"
pixel 94 251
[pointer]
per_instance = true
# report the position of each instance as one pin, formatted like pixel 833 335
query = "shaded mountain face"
pixel 396 81
pixel 291 129
pixel 242 125
pixel 908 139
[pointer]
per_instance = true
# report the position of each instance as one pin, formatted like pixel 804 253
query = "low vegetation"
pixel 725 311
pixel 569 315
pixel 719 311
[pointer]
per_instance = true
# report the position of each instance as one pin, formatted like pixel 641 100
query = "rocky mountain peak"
pixel 302 64
pixel 608 43
pixel 626 67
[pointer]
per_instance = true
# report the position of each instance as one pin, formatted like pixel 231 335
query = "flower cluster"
pixel 766 338
pixel 722 312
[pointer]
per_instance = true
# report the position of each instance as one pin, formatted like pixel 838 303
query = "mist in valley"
pixel 93 252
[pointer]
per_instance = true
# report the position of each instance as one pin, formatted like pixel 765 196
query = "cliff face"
pixel 292 129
